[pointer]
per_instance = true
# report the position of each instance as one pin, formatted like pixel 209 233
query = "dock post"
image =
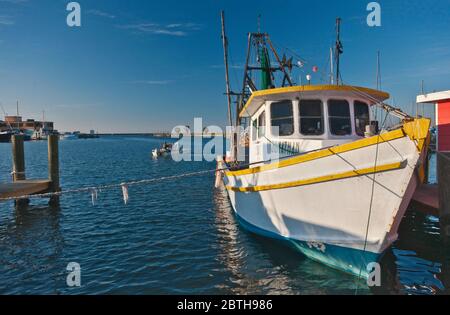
pixel 18 152
pixel 443 166
pixel 18 173
pixel 53 166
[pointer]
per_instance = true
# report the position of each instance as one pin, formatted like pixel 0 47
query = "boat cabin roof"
pixel 258 98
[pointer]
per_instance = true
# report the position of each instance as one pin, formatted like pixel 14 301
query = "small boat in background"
pixel 69 136
pixel 91 135
pixel 5 136
pixel 164 151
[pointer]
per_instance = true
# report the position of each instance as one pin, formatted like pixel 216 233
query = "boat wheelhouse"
pixel 300 119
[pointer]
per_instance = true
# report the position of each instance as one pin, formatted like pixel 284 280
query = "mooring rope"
pixel 124 186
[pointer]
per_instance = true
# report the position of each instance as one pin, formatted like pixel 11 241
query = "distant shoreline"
pixel 155 135
pixel 162 135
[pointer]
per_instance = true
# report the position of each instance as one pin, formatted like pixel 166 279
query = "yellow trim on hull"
pixel 321 179
pixel 416 130
pixel 393 135
pixel 379 95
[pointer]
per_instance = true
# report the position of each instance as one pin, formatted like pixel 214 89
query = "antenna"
pixel 378 71
pixel 331 66
pixel 339 49
pixel 227 78
pixel 17 118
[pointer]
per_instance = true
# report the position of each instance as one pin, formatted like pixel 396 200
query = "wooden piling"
pixel 18 153
pixel 443 167
pixel 53 163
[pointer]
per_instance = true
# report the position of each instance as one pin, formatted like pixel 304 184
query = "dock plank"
pixel 427 196
pixel 24 188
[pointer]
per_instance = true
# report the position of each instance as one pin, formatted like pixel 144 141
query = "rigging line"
pixel 4 113
pixel 370 213
pixel 234 66
pixel 300 58
pixel 387 115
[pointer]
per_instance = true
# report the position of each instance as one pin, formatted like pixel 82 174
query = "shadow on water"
pixel 29 237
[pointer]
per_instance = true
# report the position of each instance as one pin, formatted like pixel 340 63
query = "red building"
pixel 16 122
pixel 442 101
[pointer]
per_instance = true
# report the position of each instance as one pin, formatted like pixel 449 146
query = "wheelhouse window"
pixel 262 125
pixel 340 120
pixel 254 129
pixel 311 117
pixel 282 117
pixel 362 117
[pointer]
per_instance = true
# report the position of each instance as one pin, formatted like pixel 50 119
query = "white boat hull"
pixel 341 208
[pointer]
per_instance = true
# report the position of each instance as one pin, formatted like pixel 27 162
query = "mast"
pixel 331 66
pixel 339 49
pixel 378 71
pixel 17 109
pixel 247 79
pixel 227 79
pixel 281 64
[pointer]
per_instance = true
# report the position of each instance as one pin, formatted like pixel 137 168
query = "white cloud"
pixel 6 20
pixel 173 29
pixel 153 82
pixel 101 13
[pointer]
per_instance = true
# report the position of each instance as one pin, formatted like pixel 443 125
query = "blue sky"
pixel 141 66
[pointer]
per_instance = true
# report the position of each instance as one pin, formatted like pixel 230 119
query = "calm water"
pixel 174 237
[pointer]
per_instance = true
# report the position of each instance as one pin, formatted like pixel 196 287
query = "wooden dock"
pixel 24 188
pixel 427 198
pixel 21 187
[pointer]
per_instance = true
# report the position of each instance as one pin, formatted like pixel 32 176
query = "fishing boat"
pixel 5 136
pixel 322 175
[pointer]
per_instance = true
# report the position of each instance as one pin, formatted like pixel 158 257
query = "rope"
pixel 371 202
pixel 370 212
pixel 110 186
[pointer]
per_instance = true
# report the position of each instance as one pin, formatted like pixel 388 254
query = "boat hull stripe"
pixel 393 135
pixel 321 179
